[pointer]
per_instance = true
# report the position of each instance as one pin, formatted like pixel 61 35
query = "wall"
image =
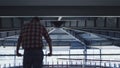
pixel 99 23
pixel 59 3
pixel 6 23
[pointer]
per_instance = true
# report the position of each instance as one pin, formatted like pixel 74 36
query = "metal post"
pixel 45 56
pixel 115 66
pixel 90 63
pixel 95 64
pixel 9 65
pixel 69 56
pixel 76 63
pixel 100 58
pixel 67 64
pixel 14 56
pixel 57 64
pixel 46 53
pixel 19 64
pixel 104 64
pixel 85 57
pixel 109 64
pixel 81 64
pixel 69 53
pixel 119 66
pixel 4 66
pixel 52 64
pixel 71 63
pixel 48 64
pixel 0 35
pixel 62 64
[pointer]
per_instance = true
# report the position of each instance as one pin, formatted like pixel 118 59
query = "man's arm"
pixel 48 39
pixel 50 48
pixel 18 45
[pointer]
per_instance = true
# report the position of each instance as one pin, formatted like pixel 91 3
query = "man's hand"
pixel 18 54
pixel 49 54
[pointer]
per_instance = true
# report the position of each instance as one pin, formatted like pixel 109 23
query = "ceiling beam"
pixel 59 3
pixel 59 11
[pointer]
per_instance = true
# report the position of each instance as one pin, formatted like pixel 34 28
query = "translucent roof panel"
pixel 58 34
pixel 59 38
pixel 62 38
pixel 94 39
pixel 106 47
pixel 78 45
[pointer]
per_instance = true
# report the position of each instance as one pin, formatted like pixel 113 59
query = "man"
pixel 31 41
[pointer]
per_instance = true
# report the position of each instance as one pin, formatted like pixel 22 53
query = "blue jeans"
pixel 33 58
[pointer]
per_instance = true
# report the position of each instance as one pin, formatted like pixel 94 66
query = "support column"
pixel 77 23
pixel 95 23
pixel 85 23
pixel 22 22
pixel 45 23
pixel 105 22
pixel 0 24
pixel 69 23
pixel 85 57
pixel 117 23
pixel 0 30
pixel 12 23
pixel 100 58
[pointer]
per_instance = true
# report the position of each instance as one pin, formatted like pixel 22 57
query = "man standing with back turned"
pixel 31 41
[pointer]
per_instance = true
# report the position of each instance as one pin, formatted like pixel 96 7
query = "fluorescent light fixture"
pixel 59 18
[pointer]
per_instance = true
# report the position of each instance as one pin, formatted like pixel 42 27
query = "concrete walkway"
pixel 65 66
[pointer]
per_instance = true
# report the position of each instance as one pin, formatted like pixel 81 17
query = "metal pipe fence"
pixel 69 62
pixel 67 65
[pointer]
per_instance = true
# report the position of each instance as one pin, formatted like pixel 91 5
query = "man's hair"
pixel 35 18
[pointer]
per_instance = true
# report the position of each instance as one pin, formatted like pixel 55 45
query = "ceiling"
pixel 59 18
pixel 59 8
pixel 59 2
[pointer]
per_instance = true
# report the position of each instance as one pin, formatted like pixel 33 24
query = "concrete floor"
pixel 65 66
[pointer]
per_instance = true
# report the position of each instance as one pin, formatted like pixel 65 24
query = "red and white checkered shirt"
pixel 31 35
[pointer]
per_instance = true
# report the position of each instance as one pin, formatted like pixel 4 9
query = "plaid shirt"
pixel 31 35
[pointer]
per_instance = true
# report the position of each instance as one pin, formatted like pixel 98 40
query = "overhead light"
pixel 59 18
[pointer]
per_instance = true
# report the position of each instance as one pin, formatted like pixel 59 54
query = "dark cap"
pixel 36 18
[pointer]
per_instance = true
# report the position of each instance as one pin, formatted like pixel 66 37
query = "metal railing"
pixel 67 64
pixel 106 32
pixel 68 60
pixel 9 33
